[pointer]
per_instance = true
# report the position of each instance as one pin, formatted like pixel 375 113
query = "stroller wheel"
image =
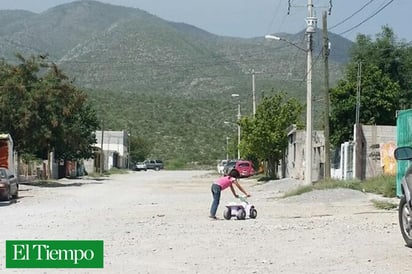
pixel 227 214
pixel 253 213
pixel 241 214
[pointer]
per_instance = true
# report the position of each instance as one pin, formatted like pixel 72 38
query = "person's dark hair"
pixel 234 173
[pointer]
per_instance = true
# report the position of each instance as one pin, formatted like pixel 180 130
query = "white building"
pixel 115 151
pixel 294 163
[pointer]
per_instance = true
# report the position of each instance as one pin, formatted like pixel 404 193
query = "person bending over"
pixel 221 184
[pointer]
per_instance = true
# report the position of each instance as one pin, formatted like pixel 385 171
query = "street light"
pixel 101 151
pixel 128 150
pixel 277 38
pixel 238 137
pixel 238 125
pixel 227 148
pixel 311 28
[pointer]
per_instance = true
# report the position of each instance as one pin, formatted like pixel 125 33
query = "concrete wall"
pixel 375 136
pixel 295 154
pixel 368 162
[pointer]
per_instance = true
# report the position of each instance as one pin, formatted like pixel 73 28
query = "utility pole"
pixel 238 124
pixel 310 30
pixel 238 131
pixel 326 49
pixel 129 135
pixel 101 152
pixel 227 148
pixel 253 72
pixel 357 163
pixel 253 92
pixel 358 88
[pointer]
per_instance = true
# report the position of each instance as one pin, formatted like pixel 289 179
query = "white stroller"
pixel 240 210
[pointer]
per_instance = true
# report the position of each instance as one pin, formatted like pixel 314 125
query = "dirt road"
pixel 157 222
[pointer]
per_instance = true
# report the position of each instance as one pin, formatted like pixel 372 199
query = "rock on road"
pixel 157 222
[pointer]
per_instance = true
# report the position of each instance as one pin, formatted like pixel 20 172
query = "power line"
pixel 368 18
pixel 350 16
pixel 274 17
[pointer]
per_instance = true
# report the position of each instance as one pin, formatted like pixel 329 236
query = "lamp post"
pixel 238 125
pixel 238 137
pixel 101 151
pixel 253 93
pixel 311 28
pixel 128 150
pixel 227 148
pixel 277 38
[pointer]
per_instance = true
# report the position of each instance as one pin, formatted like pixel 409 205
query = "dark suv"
pixel 154 164
pixel 229 166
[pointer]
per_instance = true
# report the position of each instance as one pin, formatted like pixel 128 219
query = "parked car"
pixel 154 164
pixel 9 187
pixel 244 167
pixel 140 166
pixel 221 166
pixel 229 166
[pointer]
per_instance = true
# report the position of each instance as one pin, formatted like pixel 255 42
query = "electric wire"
pixel 293 68
pixel 352 15
pixel 367 19
pixel 274 17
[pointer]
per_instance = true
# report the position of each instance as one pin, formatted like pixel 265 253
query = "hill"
pixel 164 79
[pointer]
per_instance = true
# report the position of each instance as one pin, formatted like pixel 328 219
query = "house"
pixel 369 155
pixel 115 151
pixel 294 162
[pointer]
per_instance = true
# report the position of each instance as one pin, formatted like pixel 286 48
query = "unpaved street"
pixel 157 222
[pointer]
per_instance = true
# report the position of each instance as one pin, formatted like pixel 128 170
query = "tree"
pixel 388 55
pixel 379 100
pixel 264 136
pixel 140 148
pixel 384 82
pixel 67 121
pixel 17 84
pixel 43 111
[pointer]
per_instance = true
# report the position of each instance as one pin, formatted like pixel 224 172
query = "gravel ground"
pixel 156 222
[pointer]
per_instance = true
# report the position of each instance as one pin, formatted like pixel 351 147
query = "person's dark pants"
pixel 216 199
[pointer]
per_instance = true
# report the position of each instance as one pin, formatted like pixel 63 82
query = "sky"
pixel 246 19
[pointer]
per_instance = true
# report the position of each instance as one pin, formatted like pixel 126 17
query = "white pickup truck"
pixel 140 166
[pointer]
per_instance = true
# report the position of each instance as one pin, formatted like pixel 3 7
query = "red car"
pixel 245 168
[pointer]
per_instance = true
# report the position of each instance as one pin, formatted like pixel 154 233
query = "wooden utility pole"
pixel 358 90
pixel 358 163
pixel 327 101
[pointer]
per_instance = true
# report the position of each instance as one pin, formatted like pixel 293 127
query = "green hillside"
pixel 170 83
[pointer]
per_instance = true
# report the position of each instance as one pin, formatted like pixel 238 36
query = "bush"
pixel 176 164
pixel 383 185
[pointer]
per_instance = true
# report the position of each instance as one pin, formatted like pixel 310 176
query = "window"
pixel 3 174
pixel 244 165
